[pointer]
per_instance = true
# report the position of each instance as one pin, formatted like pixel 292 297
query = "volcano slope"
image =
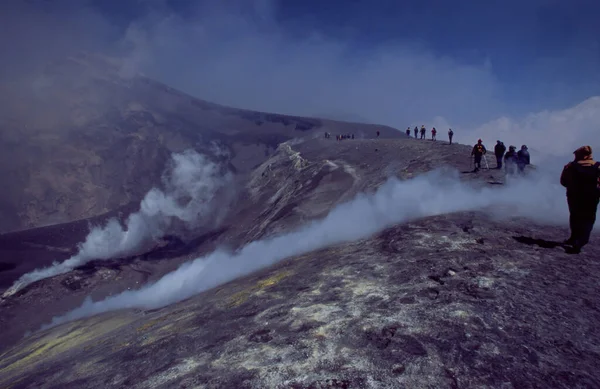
pixel 451 301
pixel 81 138
pixel 285 192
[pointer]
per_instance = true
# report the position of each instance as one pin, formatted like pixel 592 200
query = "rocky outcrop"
pixel 291 190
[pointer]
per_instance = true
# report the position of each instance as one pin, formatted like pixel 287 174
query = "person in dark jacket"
pixel 523 158
pixel 478 152
pixel 581 177
pixel 499 151
pixel 423 130
pixel 416 130
pixel 450 135
pixel 510 160
pixel 408 132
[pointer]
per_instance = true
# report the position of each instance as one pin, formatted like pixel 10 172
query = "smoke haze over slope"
pixel 191 183
pixel 242 54
pixel 540 199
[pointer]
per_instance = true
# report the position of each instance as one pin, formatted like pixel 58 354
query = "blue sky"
pixel 461 63
pixel 542 50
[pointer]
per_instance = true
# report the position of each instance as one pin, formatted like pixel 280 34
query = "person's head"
pixel 479 141
pixel 523 147
pixel 583 153
pixel 512 148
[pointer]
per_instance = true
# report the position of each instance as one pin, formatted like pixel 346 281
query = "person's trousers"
pixel 582 216
pixel 498 162
pixel 511 168
pixel 477 161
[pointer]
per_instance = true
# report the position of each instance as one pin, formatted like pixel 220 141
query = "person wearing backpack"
pixel 477 153
pixel 581 177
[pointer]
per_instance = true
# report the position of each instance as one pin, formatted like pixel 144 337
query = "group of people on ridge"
pixel 512 160
pixel 581 178
pixel 339 137
pixel 423 131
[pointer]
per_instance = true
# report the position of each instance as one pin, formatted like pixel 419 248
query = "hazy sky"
pixel 461 63
pixel 544 53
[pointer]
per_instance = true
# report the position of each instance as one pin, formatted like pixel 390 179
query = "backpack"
pixel 510 156
pixel 585 179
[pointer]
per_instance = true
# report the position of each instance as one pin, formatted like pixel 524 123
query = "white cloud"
pixel 548 133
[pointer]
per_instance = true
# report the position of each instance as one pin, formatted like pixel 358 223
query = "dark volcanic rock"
pixel 417 305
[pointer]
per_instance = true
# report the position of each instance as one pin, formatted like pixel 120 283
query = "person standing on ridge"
pixel 416 131
pixel 378 134
pixel 499 151
pixel 510 160
pixel 450 135
pixel 423 132
pixel 478 152
pixel 523 159
pixel 408 132
pixel 581 177
pixel 433 133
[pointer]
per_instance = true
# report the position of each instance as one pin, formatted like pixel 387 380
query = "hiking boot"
pixel 569 242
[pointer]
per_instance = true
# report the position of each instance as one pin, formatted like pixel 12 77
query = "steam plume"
pixel 190 183
pixel 539 198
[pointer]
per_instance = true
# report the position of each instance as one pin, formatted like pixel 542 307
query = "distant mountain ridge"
pixel 86 138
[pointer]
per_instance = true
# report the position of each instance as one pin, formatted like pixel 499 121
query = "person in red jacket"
pixel 433 133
